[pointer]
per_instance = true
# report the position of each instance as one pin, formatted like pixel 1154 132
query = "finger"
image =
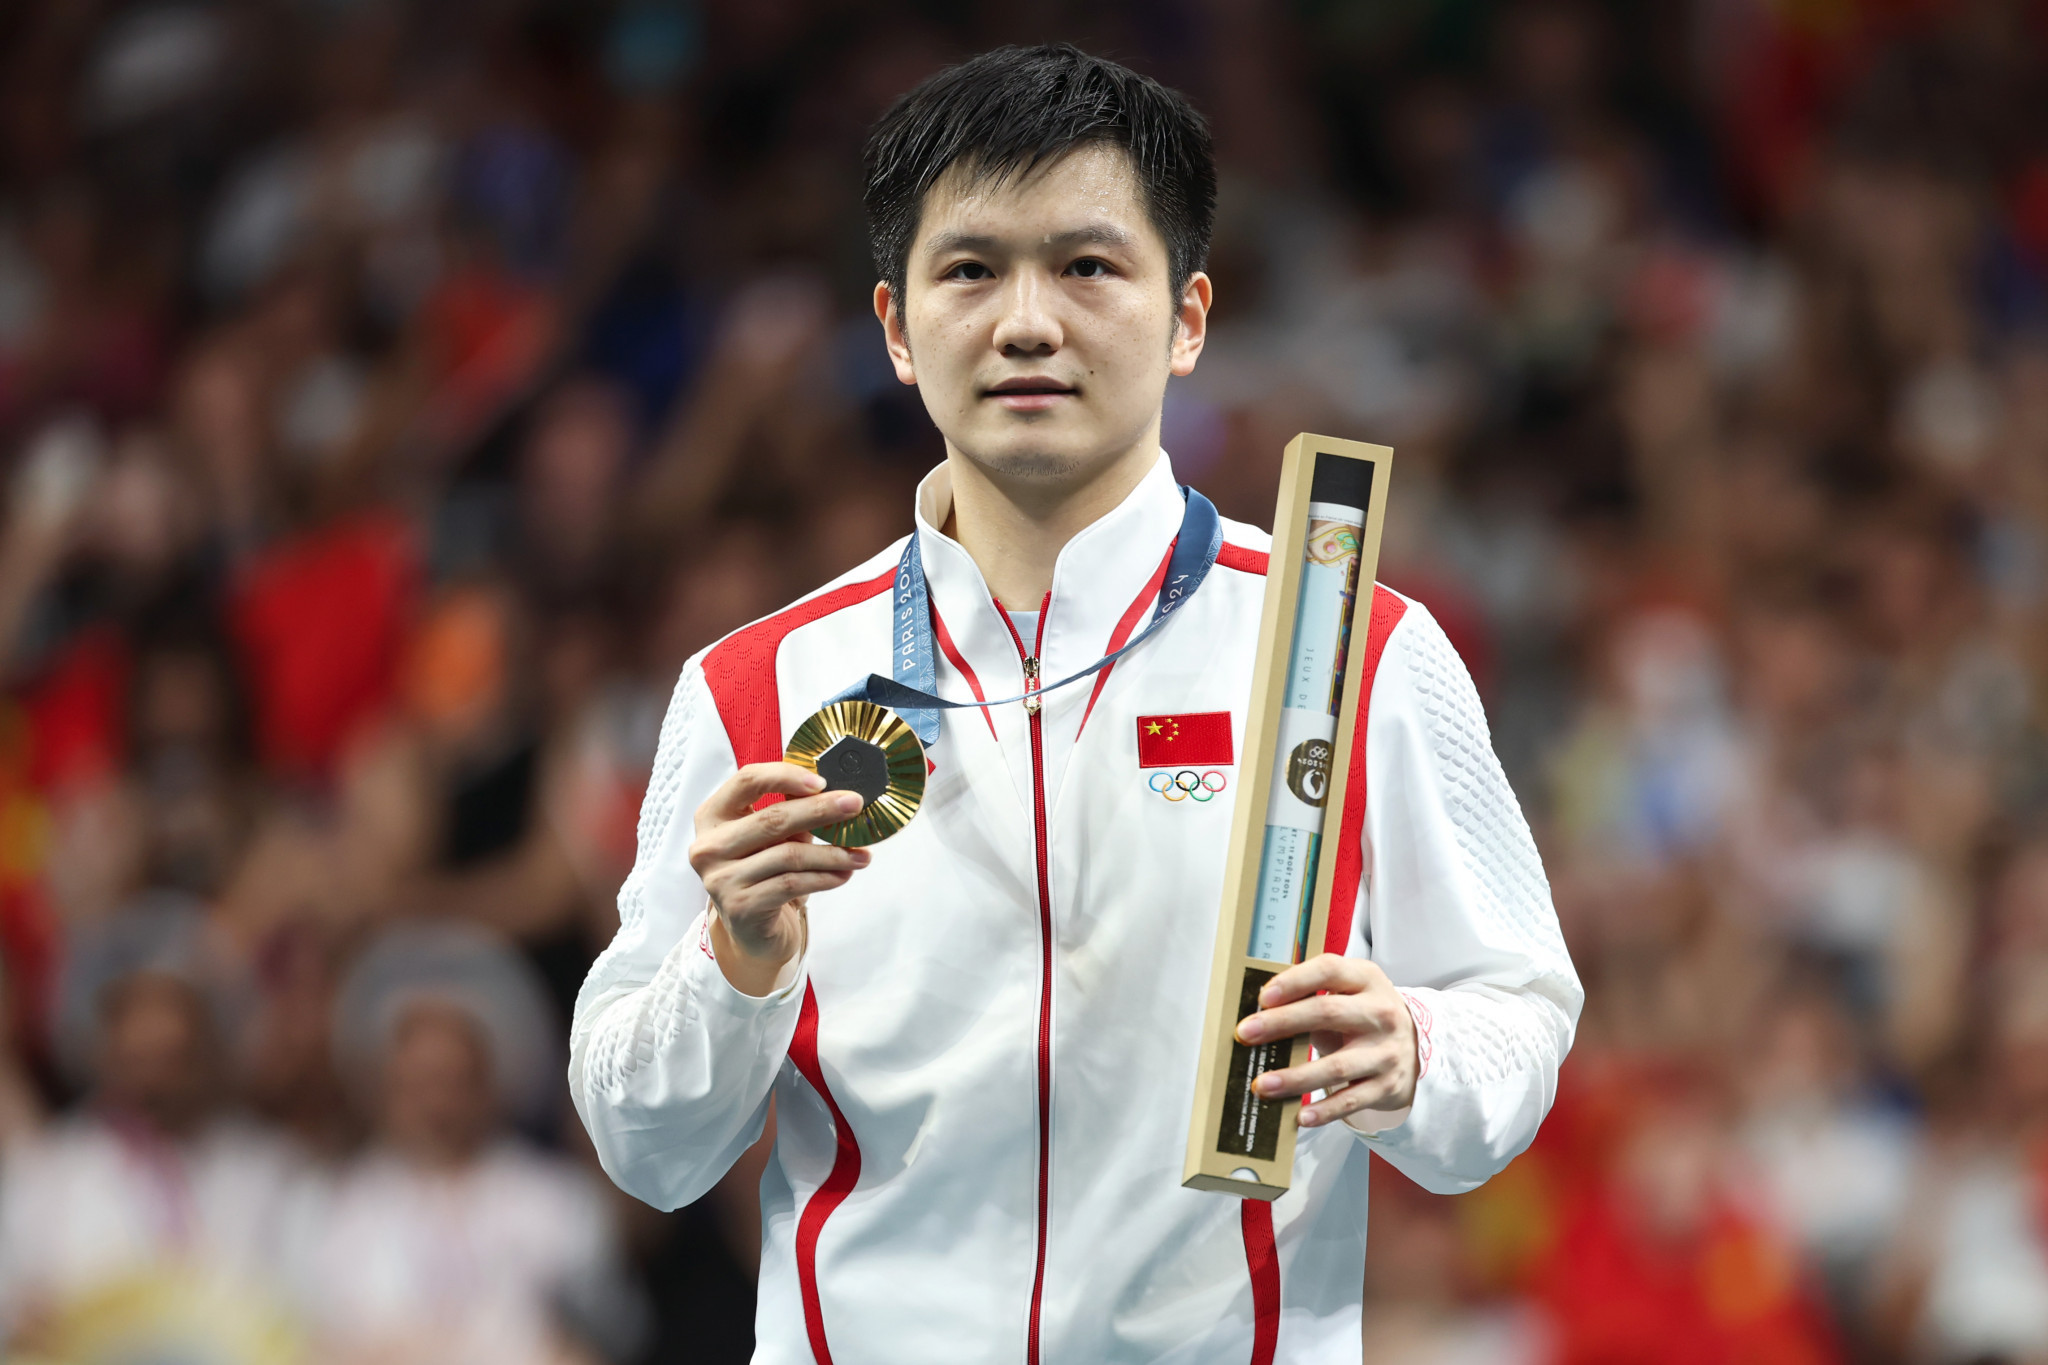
pixel 732 878
pixel 1323 972
pixel 790 885
pixel 785 820
pixel 1340 1068
pixel 753 912
pixel 736 884
pixel 737 794
pixel 1335 1013
pixel 777 859
pixel 1367 1094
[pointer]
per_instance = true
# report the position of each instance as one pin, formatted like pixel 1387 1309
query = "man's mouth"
pixel 1029 393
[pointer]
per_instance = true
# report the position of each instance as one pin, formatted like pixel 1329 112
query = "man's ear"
pixel 1191 324
pixel 891 318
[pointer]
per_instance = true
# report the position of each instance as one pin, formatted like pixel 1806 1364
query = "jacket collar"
pixel 1099 573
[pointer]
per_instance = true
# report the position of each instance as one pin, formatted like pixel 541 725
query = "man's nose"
pixel 1029 324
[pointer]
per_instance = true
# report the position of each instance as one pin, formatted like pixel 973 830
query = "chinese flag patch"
pixel 1190 740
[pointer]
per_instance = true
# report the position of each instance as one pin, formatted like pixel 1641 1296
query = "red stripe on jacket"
pixel 1129 622
pixel 1387 611
pixel 740 671
pixel 959 661
pixel 1229 557
pixel 845 1174
pixel 1263 1261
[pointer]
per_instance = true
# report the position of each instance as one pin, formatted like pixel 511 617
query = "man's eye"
pixel 970 270
pixel 1088 268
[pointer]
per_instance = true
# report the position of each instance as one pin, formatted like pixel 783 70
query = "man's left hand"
pixel 1361 1029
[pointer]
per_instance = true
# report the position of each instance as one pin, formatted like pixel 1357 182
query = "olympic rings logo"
pixel 1188 785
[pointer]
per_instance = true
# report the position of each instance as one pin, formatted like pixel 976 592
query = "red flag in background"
pixel 1192 740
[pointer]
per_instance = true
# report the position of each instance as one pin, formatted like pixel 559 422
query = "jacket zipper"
pixel 1032 706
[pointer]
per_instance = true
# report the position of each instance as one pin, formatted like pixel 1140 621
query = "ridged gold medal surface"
pixel 859 746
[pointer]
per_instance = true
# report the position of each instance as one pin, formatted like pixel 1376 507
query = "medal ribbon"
pixel 912 691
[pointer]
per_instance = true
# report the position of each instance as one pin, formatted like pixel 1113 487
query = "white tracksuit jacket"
pixel 983 1064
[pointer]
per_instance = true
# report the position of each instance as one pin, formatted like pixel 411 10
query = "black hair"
pixel 1006 112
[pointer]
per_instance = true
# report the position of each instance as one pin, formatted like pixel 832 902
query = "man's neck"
pixel 1014 529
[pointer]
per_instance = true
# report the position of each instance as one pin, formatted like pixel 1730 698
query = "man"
pixel 981 1036
pixel 154 1214
pixel 448 1241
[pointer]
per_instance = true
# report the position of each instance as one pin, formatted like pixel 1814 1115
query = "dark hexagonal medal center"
pixel 855 765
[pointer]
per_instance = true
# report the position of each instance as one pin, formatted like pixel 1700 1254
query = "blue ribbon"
pixel 912 692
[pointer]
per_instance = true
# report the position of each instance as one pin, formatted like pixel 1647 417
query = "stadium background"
pixel 393 395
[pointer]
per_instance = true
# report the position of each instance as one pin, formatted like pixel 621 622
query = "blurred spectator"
pixel 1665 1261
pixel 446 1240
pixel 1970 1276
pixel 319 619
pixel 156 1189
pixel 1428 1305
pixel 1833 1158
pixel 573 472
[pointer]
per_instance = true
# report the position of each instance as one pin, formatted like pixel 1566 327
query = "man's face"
pixel 1038 321
pixel 439 1101
pixel 157 1057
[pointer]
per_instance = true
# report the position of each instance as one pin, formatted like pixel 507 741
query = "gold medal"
pixel 861 747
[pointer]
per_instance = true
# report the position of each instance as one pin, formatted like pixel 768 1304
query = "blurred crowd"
pixel 392 396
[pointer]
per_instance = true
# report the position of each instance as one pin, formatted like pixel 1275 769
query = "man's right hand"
pixel 760 866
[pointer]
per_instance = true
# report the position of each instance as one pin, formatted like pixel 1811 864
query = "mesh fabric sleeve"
pixel 1457 910
pixel 669 1065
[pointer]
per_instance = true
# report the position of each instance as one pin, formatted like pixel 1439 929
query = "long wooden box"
pixel 1238 1143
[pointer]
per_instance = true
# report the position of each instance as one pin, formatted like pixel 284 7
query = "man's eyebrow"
pixel 1091 234
pixel 1094 234
pixel 943 243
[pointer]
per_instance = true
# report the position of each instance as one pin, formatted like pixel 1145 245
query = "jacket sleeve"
pixel 670 1066
pixel 1458 912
